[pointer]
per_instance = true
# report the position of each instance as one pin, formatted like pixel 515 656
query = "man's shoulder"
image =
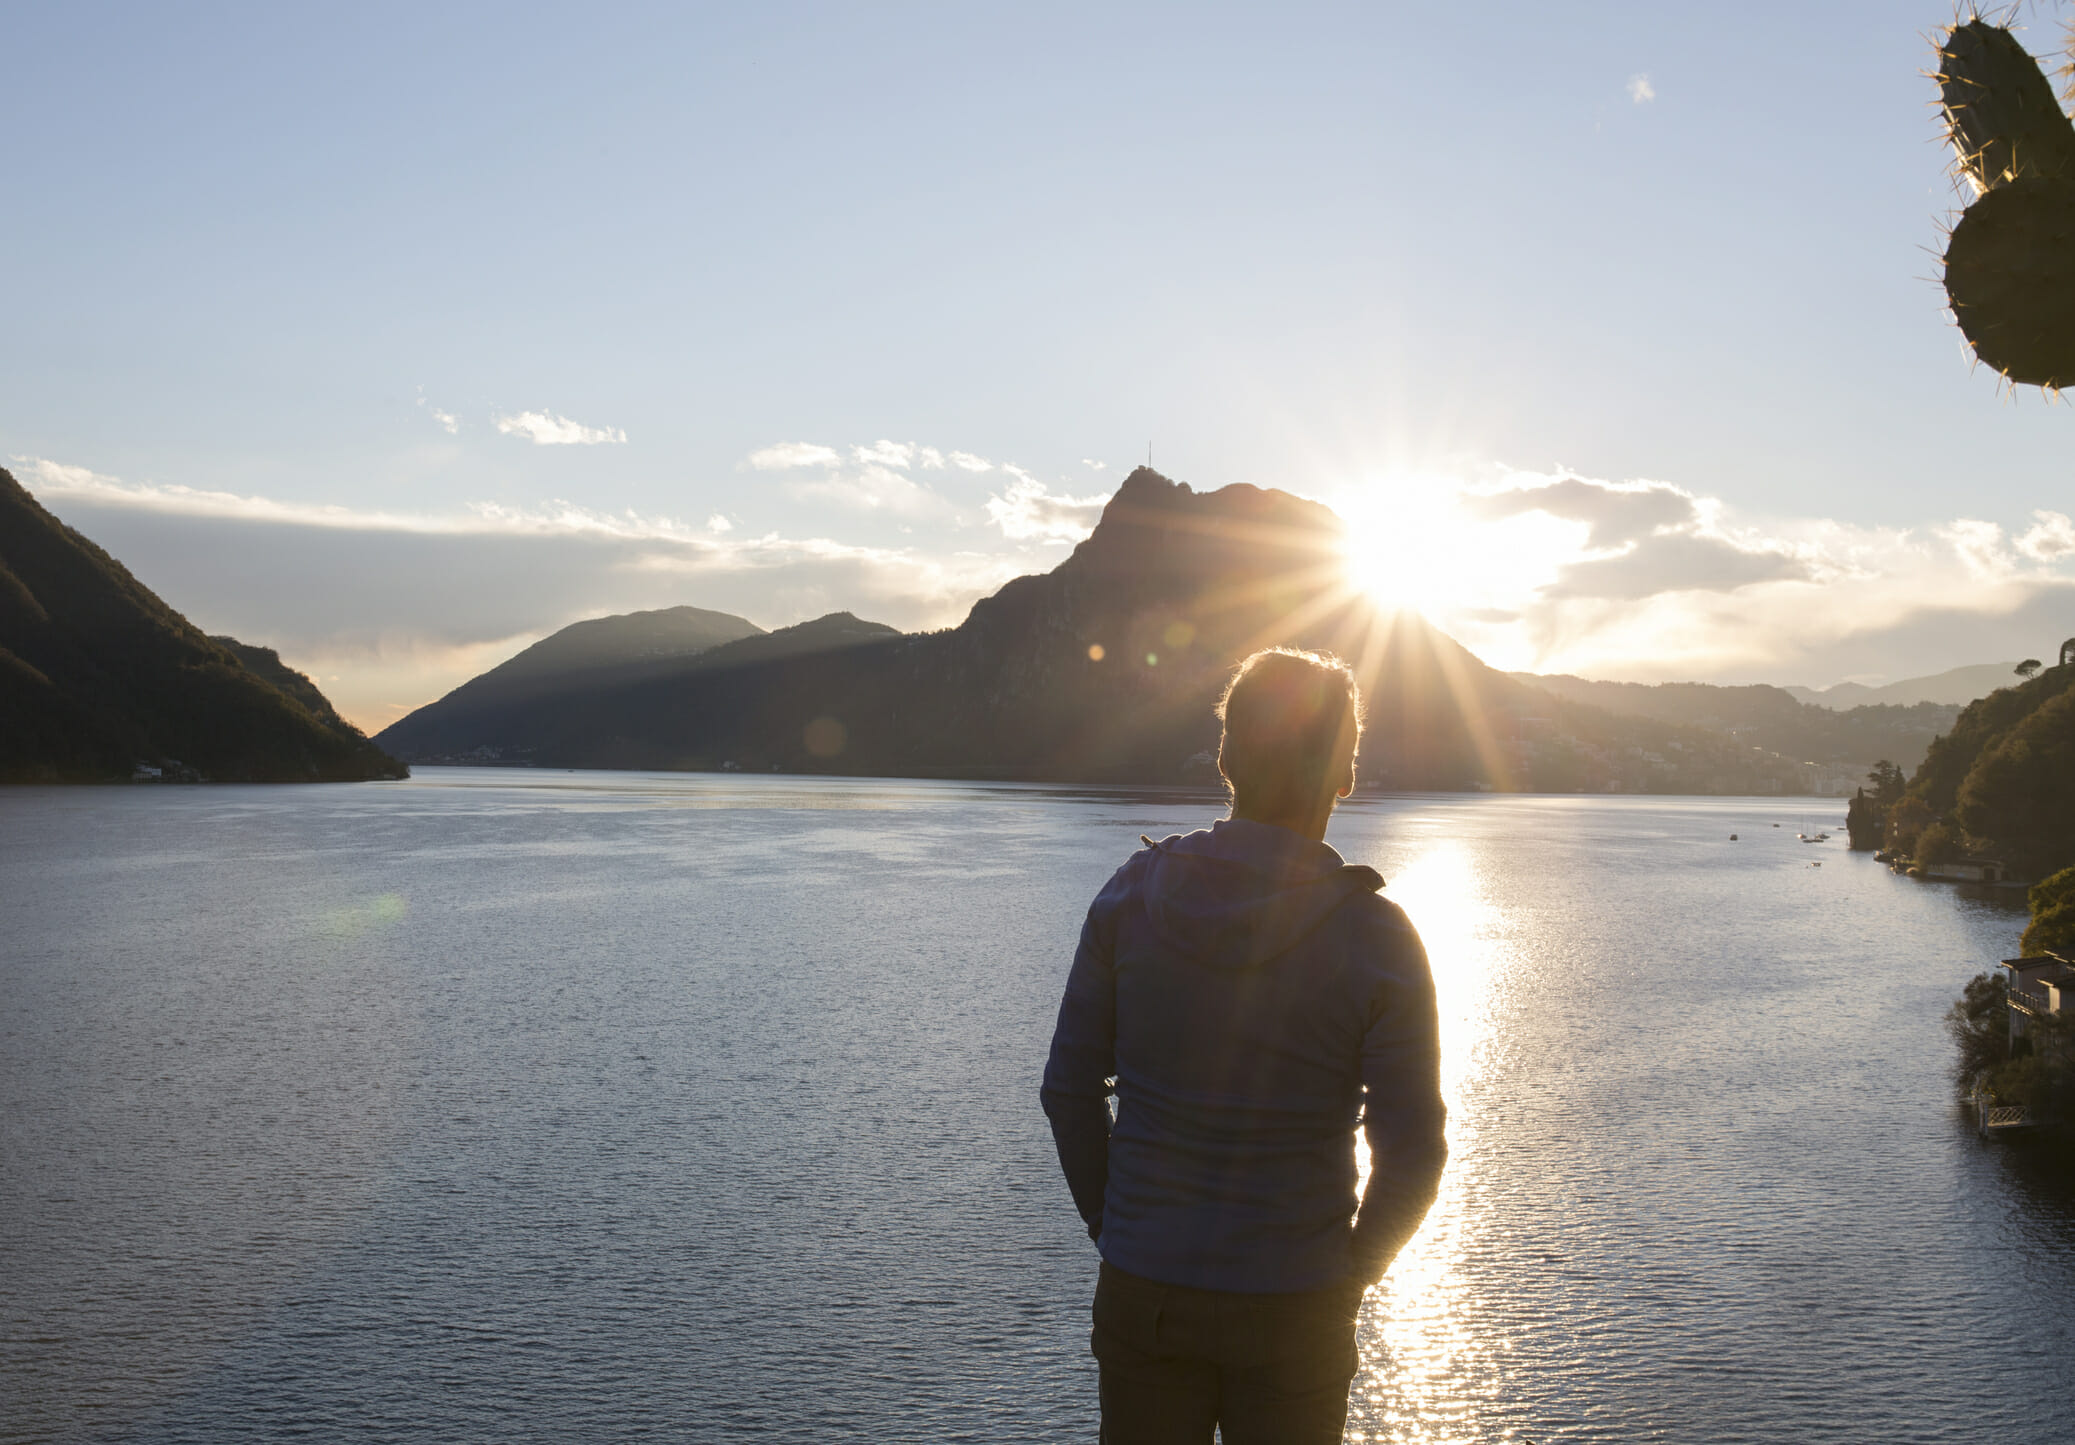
pixel 1375 930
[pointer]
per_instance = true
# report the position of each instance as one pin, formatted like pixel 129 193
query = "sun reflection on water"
pixel 1424 1368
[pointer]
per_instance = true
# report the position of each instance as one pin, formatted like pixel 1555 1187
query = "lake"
pixel 526 1106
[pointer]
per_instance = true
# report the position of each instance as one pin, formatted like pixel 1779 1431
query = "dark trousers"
pixel 1179 1363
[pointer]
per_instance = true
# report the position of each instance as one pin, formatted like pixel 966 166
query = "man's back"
pixel 1242 984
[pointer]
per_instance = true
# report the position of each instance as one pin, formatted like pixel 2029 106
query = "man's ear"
pixel 1347 788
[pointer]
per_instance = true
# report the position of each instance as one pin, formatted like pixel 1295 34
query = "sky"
pixel 396 337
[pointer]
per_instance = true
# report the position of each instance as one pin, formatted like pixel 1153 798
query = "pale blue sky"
pixel 1356 251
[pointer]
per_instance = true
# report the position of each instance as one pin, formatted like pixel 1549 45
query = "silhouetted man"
pixel 1253 998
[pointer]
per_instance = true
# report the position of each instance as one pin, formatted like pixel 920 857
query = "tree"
pixel 2026 668
pixel 1979 1023
pixel 1888 783
pixel 2020 793
pixel 2052 928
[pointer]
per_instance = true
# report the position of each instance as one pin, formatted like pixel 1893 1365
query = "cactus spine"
pixel 2010 262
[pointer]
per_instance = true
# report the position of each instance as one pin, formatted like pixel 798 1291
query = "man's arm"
pixel 1403 1116
pixel 1084 1057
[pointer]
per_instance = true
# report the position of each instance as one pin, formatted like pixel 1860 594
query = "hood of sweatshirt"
pixel 1239 893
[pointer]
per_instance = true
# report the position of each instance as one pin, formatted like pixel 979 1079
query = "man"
pixel 1252 997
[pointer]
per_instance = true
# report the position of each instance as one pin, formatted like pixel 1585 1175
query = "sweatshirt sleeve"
pixel 1403 1116
pixel 1077 1086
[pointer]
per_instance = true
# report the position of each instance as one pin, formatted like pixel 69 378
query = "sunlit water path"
pixel 523 1106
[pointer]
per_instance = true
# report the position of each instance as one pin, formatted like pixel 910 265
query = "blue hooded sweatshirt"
pixel 1253 999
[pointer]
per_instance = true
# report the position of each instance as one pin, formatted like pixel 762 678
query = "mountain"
pixel 527 713
pixel 97 675
pixel 610 649
pixel 1957 687
pixel 1771 717
pixel 478 717
pixel 1107 669
pixel 266 664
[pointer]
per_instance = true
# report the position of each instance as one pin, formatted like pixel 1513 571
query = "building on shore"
pixel 2038 988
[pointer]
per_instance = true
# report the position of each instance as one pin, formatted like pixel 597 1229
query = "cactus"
pixel 2010 262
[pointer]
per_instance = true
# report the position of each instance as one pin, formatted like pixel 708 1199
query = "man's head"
pixel 1293 721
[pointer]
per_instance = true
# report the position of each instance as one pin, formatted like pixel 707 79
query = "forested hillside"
pixel 98 675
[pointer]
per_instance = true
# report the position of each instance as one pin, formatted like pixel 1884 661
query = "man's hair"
pixel 1292 720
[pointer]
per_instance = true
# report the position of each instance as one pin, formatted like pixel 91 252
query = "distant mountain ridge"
pixel 1105 669
pixel 549 692
pixel 1955 687
pixel 1770 717
pixel 98 674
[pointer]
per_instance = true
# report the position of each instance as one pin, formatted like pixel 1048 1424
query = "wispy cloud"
pixel 2051 537
pixel 966 461
pixel 1640 90
pixel 1029 511
pixel 449 422
pixel 885 454
pixel 719 525
pixel 546 429
pixel 1093 465
pixel 793 456
pixel 873 488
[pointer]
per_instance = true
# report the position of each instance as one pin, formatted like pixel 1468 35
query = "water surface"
pixel 507 1105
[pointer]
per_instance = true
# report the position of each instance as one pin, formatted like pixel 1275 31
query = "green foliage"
pixel 1909 818
pixel 2026 668
pixel 2052 892
pixel 2052 929
pixel 2038 1072
pixel 2004 776
pixel 2021 790
pixel 1979 1026
pixel 1938 843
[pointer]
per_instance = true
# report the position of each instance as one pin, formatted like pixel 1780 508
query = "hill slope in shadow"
pixel 97 674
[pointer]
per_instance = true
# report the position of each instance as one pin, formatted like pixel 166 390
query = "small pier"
pixel 1994 1120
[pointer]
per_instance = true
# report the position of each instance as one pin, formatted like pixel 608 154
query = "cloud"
pixel 932 459
pixel 791 456
pixel 1093 465
pixel 873 488
pixel 1027 511
pixel 1617 512
pixel 1809 600
pixel 545 429
pixel 1640 90
pixel 2052 537
pixel 717 524
pixel 446 419
pixel 885 454
pixel 1676 562
pixel 968 462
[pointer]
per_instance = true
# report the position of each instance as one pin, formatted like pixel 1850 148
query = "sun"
pixel 1420 543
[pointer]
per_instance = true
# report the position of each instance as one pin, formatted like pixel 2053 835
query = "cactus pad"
pixel 2010 273
pixel 2000 112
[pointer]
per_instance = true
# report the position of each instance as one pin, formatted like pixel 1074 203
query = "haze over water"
pixel 528 1106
